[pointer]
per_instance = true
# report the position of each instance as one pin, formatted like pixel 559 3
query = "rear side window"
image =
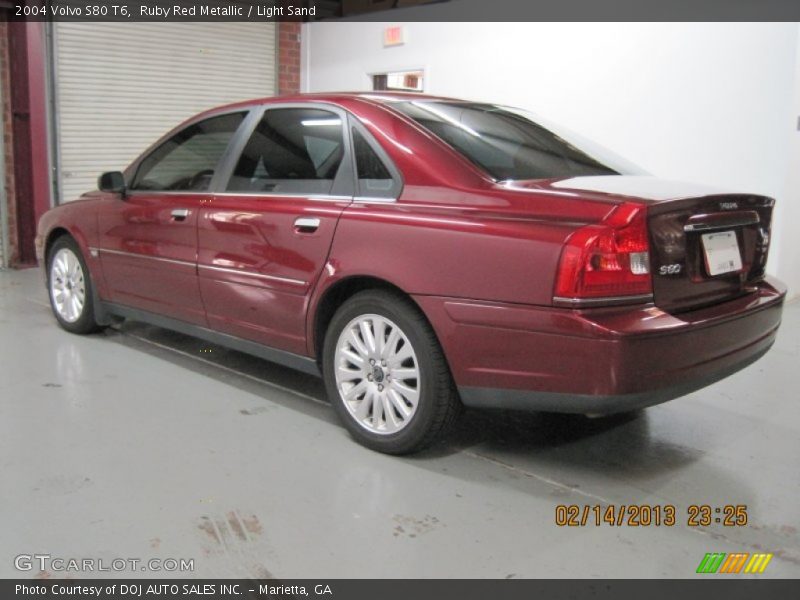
pixel 188 160
pixel 293 151
pixel 504 143
pixel 374 178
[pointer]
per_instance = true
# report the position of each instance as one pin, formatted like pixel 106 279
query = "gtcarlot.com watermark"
pixel 56 564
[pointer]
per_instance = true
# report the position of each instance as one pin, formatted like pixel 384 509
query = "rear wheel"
pixel 70 287
pixel 386 375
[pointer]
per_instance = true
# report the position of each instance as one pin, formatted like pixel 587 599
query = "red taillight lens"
pixel 607 260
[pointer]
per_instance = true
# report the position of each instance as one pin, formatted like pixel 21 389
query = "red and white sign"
pixel 394 36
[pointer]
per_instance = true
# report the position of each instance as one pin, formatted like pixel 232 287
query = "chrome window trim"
pixel 133 193
pixel 318 197
pixel 373 200
pixel 253 274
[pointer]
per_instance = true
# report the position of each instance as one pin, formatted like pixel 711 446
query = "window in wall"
pixel 188 160
pixel 399 81
pixel 292 150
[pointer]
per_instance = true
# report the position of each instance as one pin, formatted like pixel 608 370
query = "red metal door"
pixel 148 247
pixel 148 241
pixel 263 242
pixel 259 258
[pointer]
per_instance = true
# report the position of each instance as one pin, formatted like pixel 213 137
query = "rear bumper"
pixel 598 360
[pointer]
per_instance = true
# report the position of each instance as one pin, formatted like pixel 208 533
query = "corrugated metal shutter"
pixel 120 86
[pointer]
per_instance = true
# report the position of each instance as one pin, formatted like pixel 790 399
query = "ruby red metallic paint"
pixel 479 257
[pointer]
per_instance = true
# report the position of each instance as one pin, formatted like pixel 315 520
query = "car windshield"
pixel 511 144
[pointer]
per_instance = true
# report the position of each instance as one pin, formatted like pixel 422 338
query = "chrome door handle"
pixel 306 225
pixel 179 214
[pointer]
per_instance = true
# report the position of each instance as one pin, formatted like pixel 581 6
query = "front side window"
pixel 188 160
pixel 291 151
pixel 503 142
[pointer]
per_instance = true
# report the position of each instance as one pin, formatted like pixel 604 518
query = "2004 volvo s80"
pixel 421 254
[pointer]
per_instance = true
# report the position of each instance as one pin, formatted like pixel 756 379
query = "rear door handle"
pixel 179 214
pixel 306 225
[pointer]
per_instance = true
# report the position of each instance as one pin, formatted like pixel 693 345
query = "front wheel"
pixel 386 375
pixel 70 287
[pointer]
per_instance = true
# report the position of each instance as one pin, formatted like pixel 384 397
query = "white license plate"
pixel 722 253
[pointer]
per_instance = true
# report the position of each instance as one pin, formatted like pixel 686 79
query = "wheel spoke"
pixel 63 265
pixel 389 416
pixel 377 411
pixel 356 343
pixel 72 266
pixel 362 411
pixel 399 404
pixel 367 336
pixel 345 374
pixel 354 392
pixel 352 357
pixel 406 392
pixel 380 335
pixel 71 309
pixel 403 374
pixel 397 358
pixel 391 343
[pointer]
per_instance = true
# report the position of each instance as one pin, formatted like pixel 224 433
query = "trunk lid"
pixel 707 250
pixel 706 245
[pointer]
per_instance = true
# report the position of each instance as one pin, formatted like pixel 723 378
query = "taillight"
pixel 608 261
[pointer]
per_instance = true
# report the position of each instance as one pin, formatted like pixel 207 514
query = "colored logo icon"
pixel 734 563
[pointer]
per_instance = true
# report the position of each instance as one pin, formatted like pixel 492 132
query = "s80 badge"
pixel 673 269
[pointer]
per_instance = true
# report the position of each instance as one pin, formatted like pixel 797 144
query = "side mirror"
pixel 113 182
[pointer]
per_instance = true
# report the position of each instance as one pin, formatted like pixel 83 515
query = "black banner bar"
pixel 730 588
pixel 402 10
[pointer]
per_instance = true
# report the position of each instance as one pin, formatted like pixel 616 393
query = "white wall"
pixel 707 102
pixel 788 240
pixel 3 192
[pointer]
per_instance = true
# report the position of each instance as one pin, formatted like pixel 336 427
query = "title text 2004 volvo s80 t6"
pixel 421 254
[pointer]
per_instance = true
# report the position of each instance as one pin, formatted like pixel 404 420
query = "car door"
pixel 264 238
pixel 148 240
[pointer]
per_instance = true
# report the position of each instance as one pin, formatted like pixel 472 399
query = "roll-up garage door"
pixel 120 86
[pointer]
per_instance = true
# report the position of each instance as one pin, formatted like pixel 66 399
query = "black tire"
pixel 85 322
pixel 438 404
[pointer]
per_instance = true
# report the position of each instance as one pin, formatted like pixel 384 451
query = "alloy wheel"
pixel 377 374
pixel 67 285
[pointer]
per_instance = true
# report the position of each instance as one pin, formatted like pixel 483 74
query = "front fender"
pixel 79 220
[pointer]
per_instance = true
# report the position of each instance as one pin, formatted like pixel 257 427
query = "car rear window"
pixel 503 142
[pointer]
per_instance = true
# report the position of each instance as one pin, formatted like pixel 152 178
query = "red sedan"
pixel 421 254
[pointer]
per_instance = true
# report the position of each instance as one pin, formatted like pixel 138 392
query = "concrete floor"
pixel 141 443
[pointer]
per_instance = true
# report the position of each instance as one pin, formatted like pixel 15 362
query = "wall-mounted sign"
pixel 394 36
